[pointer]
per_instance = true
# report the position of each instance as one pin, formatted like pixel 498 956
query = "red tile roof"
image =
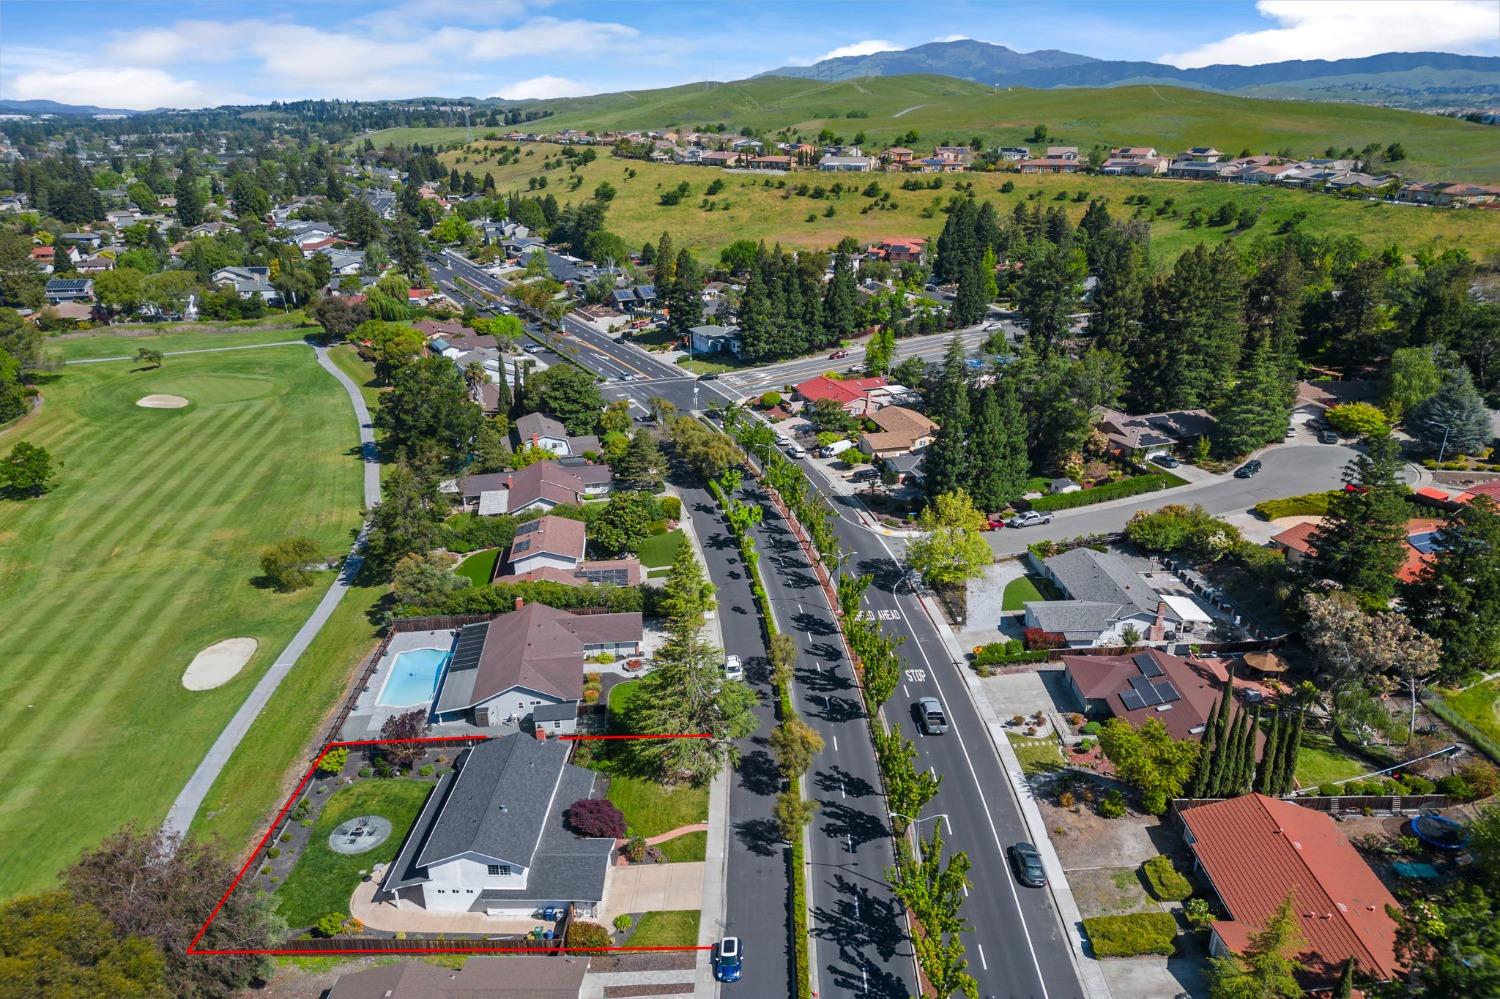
pixel 840 390
pixel 1256 850
pixel 1298 537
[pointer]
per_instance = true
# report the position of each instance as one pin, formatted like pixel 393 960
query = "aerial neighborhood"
pixel 931 553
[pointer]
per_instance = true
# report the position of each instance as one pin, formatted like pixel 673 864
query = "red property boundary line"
pixel 468 740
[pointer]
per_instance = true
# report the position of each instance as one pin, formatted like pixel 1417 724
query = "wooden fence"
pixel 1390 804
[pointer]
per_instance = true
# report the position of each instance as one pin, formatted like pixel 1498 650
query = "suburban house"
pixel 503 668
pixel 1052 164
pixel 852 394
pixel 1107 595
pixel 246 281
pixel 638 298
pixel 773 162
pixel 490 838
pixel 1256 851
pixel 846 164
pixel 719 158
pixel 536 430
pixel 91 240
pixel 903 250
pixel 551 548
pixel 1140 437
pixel 541 485
pixel 1195 169
pixel 714 339
pixel 1011 154
pixel 1202 154
pixel 1180 693
pixel 1134 161
pixel 60 290
pixel 1296 543
pixel 511 977
pixel 898 157
pixel 901 431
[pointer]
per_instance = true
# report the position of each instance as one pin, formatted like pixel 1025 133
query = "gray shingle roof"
pixel 1102 577
pixel 1073 617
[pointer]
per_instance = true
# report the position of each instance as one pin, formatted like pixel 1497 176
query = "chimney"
pixel 541 735
pixel 520 602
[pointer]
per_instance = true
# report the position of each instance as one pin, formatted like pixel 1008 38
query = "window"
pixel 494 869
pixel 500 870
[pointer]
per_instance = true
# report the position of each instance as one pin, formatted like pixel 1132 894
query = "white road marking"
pixel 947 825
pixel 835 744
pixel 905 691
pixel 980 947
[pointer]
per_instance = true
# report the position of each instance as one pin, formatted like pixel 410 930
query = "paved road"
pixel 758 891
pixel 1289 470
pixel 860 942
pixel 180 816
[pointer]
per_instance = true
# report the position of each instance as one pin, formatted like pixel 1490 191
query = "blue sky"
pixel 191 54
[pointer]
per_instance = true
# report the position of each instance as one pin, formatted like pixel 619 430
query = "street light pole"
pixel 916 832
pixel 1442 449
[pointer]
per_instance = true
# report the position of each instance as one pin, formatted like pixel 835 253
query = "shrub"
pixel 1328 789
pixel 1066 799
pixel 1112 805
pixel 1017 720
pixel 1306 505
pixel 623 922
pixel 770 400
pixel 1133 486
pixel 1003 654
pixel 329 925
pixel 670 507
pixel 1358 419
pixel 591 695
pixel 1091 728
pixel 1133 935
pixel 1481 776
pixel 1036 638
pixel 1455 786
pixel 427 770
pixel 1200 915
pixel 595 817
pixel 587 937
pixel 333 761
pixel 1417 784
pixel 1166 883
pixel 366 772
pixel 274 852
pixel 635 849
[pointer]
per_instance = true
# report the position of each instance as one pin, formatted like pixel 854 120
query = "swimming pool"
pixel 413 678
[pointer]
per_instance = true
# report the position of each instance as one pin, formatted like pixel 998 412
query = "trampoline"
pixel 1439 832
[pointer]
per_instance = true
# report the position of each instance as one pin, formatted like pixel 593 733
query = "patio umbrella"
pixel 1265 662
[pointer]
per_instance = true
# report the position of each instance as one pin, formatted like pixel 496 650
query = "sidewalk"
pixel 711 919
pixel 1089 973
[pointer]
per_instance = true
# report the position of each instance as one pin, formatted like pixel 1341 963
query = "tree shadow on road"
pixel 862 925
pixel 761 837
pixel 811 624
pixel 850 826
pixel 836 778
pixel 758 773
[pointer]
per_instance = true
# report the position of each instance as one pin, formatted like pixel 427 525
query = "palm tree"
pixel 475 375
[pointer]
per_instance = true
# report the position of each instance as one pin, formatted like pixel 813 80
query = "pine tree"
pixel 1362 542
pixel 685 295
pixel 985 447
pixel 1457 597
pixel 970 303
pixel 1223 750
pixel 1118 258
pixel 841 300
pixel 1257 410
pixel 666 262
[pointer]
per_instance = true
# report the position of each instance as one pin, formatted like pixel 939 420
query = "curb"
pixel 715 881
pixel 1090 975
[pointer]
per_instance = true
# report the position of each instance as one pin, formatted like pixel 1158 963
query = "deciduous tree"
pixel 951 548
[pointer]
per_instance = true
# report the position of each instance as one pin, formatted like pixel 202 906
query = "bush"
pixel 771 400
pixel 1481 776
pixel 469 532
pixel 1166 883
pixel 1091 728
pixel 1133 486
pixel 274 852
pixel 1133 935
pixel 1200 915
pixel 586 937
pixel 333 761
pixel 670 507
pixel 1036 638
pixel 1005 653
pixel 1455 787
pixel 426 770
pixel 330 925
pixel 635 849
pixel 1306 505
pixel 1112 805
pixel 596 818
pixel 1329 789
pixel 1358 419
pixel 1417 784
pixel 366 772
pixel 623 922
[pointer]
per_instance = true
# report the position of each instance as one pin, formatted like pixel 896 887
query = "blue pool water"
pixel 413 678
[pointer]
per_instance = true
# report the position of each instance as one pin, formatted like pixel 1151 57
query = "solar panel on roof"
pixel 1148 665
pixel 1166 692
pixel 468 647
pixel 617 577
pixel 1132 700
pixel 1146 690
pixel 520 546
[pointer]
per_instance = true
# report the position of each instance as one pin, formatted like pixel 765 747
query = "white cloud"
pixel 867 47
pixel 1333 29
pixel 184 41
pixel 542 87
pixel 954 38
pixel 137 88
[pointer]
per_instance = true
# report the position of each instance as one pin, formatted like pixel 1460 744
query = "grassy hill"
pixel 755 211
pixel 1169 118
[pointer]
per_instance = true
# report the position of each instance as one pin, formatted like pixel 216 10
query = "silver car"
pixel 930 716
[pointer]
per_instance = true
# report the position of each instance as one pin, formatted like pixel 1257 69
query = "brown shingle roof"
pixel 561 536
pixel 479 978
pixel 1256 850
pixel 1107 677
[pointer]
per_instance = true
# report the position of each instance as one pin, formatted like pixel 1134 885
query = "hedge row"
pixel 1132 935
pixel 1306 505
pixel 998 654
pixel 1133 486
pixel 1166 883
pixel 498 598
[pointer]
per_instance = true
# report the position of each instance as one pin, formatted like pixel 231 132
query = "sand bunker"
pixel 161 402
pixel 218 664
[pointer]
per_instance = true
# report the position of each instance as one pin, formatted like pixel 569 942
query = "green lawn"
pixel 347 360
pixel 479 567
pixel 687 847
pixel 106 343
pixel 322 881
pixel 1017 592
pixel 1320 761
pixel 666 929
pixel 1480 706
pixel 661 549
pixel 649 808
pixel 1035 753
pixel 143 554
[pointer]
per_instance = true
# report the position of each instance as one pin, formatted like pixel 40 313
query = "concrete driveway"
pixel 651 888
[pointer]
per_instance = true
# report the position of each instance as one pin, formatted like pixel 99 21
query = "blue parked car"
pixel 728 961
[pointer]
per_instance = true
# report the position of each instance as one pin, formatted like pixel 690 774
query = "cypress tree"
pixel 1247 770
pixel 1233 756
pixel 1291 747
pixel 1223 747
pixel 1270 761
pixel 1220 720
pixel 985 443
pixel 1205 760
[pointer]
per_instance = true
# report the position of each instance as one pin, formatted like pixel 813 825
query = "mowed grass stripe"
pixel 111 734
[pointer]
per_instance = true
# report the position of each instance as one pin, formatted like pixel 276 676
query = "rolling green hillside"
pixel 1169 118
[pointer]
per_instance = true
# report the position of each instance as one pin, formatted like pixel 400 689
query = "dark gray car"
pixel 1027 863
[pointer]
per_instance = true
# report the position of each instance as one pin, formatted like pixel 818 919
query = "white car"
pixel 733 669
pixel 796 451
pixel 1029 519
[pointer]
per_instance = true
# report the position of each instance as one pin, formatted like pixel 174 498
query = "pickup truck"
pixel 1030 518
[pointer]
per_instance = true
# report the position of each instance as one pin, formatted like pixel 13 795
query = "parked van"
pixel 836 448
pixel 732 668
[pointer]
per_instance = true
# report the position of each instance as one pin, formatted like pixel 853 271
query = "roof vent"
pixel 504 809
pixel 1296 845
